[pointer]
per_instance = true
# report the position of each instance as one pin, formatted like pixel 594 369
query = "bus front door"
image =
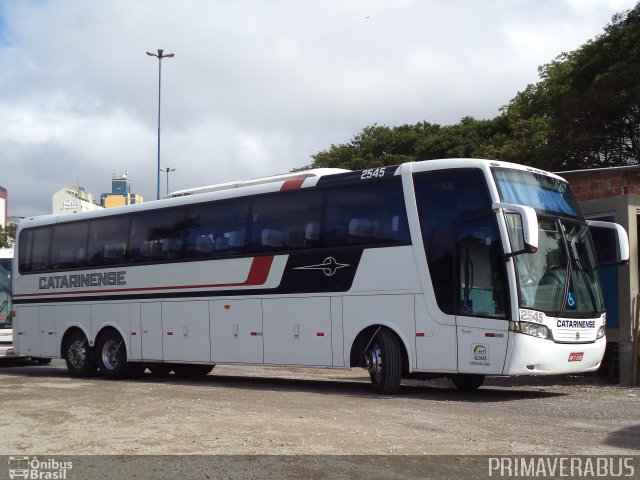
pixel 482 298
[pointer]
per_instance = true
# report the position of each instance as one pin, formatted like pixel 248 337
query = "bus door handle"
pixel 466 330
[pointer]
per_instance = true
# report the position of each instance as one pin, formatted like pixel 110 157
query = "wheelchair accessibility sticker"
pixel 571 300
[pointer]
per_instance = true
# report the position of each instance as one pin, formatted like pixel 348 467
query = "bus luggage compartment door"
pixel 297 331
pixel 481 349
pixel 236 331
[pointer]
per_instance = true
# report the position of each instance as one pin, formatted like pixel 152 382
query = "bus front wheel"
pixel 79 356
pixel 384 362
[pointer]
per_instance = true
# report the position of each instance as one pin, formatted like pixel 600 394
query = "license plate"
pixel 576 356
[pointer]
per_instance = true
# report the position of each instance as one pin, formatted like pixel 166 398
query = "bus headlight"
pixel 533 329
pixel 600 332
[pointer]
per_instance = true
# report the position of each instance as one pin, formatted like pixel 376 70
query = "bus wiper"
pixel 567 280
pixel 585 277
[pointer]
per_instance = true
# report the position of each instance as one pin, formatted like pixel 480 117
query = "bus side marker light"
pixel 133 334
pixel 419 334
pixel 320 334
pixel 227 307
pixel 169 333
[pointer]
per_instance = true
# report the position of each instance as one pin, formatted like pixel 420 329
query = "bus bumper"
pixel 7 351
pixel 538 356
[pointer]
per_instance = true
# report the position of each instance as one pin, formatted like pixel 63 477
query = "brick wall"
pixel 597 185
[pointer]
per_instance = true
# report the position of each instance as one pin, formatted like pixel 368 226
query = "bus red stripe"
pixel 258 274
pixel 292 184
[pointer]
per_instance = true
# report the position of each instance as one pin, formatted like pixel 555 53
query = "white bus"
pixel 454 268
pixel 6 308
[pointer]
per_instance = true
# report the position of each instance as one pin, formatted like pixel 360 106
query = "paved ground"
pixel 259 410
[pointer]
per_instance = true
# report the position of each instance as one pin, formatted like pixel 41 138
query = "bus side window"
pixel 216 229
pixel 366 214
pixel 360 231
pixel 108 241
pixel 157 236
pixel 24 258
pixel 68 245
pixel 311 235
pixel 280 221
pixel 204 245
pixel 444 199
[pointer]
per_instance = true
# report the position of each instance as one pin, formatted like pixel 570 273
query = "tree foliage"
pixel 7 236
pixel 584 112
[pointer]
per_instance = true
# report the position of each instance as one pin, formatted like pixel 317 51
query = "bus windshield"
pixel 5 293
pixel 544 193
pixel 561 277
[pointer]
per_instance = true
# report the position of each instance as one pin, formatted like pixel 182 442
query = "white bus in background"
pixel 6 309
pixel 454 268
pixel 6 305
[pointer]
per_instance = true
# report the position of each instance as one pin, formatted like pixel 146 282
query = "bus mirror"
pixel 529 225
pixel 606 235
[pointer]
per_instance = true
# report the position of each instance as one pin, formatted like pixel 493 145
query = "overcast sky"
pixel 256 86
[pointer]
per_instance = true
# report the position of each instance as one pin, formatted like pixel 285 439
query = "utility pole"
pixel 160 55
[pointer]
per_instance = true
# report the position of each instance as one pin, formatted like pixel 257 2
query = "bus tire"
pixel 188 370
pixel 112 356
pixel 79 356
pixel 384 362
pixel 467 382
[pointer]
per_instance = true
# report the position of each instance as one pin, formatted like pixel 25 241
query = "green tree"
pixel 378 146
pixel 584 112
pixel 3 238
pixel 7 236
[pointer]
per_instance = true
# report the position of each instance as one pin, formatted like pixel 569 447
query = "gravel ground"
pixel 276 411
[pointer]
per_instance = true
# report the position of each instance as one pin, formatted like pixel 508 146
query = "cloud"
pixel 255 87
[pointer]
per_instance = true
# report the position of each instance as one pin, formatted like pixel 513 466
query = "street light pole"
pixel 160 55
pixel 167 170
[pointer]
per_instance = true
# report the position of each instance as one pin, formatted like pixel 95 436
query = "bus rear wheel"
pixel 112 357
pixel 384 362
pixel 79 356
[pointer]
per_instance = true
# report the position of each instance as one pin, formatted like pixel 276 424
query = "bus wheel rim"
pixel 77 354
pixel 374 362
pixel 110 355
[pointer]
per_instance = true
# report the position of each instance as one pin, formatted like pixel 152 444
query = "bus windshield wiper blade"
pixel 592 297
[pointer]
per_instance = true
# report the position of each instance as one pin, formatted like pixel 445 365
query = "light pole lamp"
pixel 160 55
pixel 167 170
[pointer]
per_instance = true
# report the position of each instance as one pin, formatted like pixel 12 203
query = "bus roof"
pixel 319 176
pixel 316 172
